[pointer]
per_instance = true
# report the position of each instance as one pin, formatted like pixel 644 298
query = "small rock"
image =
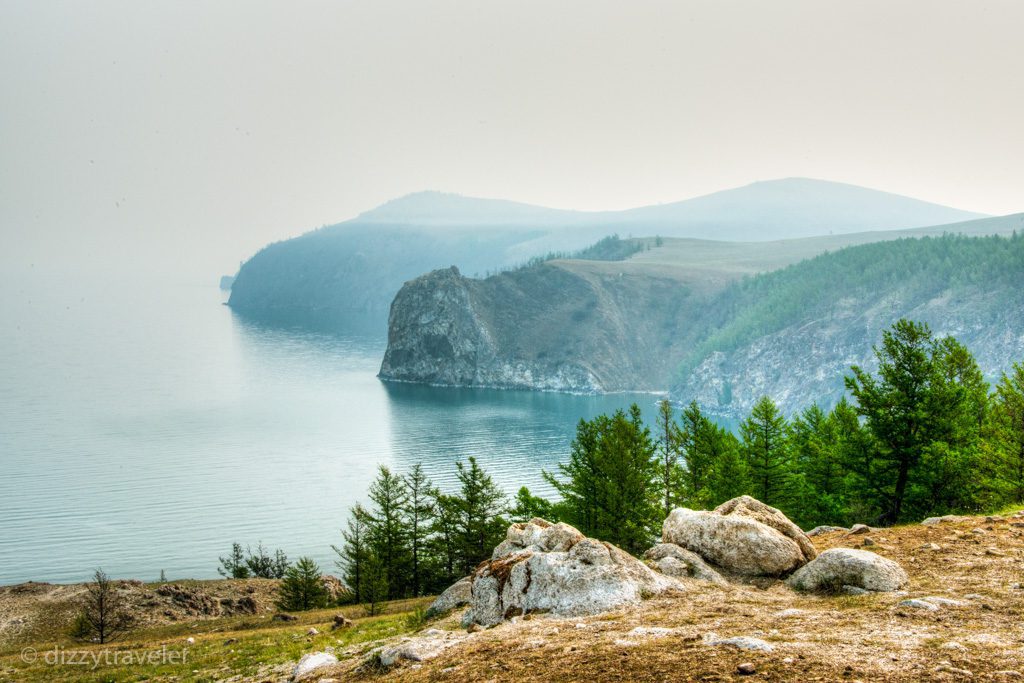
pixel 930 546
pixel 312 632
pixel 859 529
pixel 341 621
pixel 853 590
pixel 950 669
pixel 825 529
pixel 746 669
pixel 868 541
pixel 311 661
pixel 974 596
pixel 995 552
pixel 791 612
pixel 281 616
pixel 979 532
pixel 746 643
pixel 190 640
pixel 944 602
pixel 920 604
pixel 475 628
pixel 952 645
pixel 230 640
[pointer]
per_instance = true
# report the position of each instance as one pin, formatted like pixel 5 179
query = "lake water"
pixel 145 427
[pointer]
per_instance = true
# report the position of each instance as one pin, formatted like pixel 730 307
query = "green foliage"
pixel 259 563
pixel 610 490
pixel 480 506
pixel 302 587
pixel 527 506
pixel 766 452
pixel 918 268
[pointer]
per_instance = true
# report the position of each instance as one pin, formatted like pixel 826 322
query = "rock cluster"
pixel 742 536
pixel 544 567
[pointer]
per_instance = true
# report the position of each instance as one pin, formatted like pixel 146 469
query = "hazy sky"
pixel 185 135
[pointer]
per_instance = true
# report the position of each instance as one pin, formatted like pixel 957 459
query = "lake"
pixel 145 427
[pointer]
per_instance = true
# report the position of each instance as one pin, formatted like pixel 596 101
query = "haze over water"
pixel 145 427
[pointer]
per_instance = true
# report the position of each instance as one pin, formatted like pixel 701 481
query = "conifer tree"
pixel 419 513
pixel 669 443
pixel 481 506
pixel 388 534
pixel 1007 433
pixel 302 587
pixel 766 451
pixel 352 555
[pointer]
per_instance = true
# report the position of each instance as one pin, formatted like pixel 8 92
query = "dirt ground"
pixel 977 562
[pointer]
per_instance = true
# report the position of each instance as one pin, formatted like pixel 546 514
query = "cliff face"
pixel 805 363
pixel 700 330
pixel 560 326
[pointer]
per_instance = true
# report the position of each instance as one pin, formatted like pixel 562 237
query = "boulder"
pixel 743 536
pixel 544 567
pixel 824 529
pixel 837 568
pixel 679 562
pixel 456 595
pixel 311 662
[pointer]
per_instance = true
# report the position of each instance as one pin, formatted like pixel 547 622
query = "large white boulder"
pixel 458 594
pixel 837 568
pixel 742 536
pixel 543 567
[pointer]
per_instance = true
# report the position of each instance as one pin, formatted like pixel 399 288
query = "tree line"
pixel 923 435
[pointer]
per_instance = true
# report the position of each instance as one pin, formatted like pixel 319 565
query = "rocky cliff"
pixel 688 317
pixel 562 326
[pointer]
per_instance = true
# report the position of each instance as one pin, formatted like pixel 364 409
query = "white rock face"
pixel 679 562
pixel 743 536
pixel 542 567
pixel 458 594
pixel 837 568
pixel 314 660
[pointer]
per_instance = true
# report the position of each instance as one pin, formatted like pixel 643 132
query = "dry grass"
pixel 863 638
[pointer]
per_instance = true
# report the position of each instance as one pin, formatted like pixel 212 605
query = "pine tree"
pixel 696 437
pixel 354 550
pixel 1007 433
pixel 669 442
pixel 728 478
pixel 104 615
pixel 527 506
pixel 765 448
pixel 388 533
pixel 481 506
pixel 444 539
pixel 302 587
pixel 419 513
pixel 374 588
pixel 611 488
pixel 234 566
pixel 925 410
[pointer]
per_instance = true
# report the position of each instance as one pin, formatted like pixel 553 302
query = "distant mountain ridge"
pixel 346 275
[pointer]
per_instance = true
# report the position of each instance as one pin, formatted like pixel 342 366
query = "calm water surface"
pixel 144 427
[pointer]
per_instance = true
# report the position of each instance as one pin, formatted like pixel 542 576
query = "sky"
pixel 178 137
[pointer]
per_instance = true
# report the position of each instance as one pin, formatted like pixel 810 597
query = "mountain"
pixel 346 275
pixel 719 322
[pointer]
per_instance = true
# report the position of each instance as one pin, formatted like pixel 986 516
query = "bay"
pixel 145 427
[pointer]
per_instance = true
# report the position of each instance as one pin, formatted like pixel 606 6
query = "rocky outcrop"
pixel 839 568
pixel 559 326
pixel 311 662
pixel 742 536
pixel 673 560
pixel 456 595
pixel 553 568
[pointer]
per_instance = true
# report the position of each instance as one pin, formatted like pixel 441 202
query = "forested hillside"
pixel 717 322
